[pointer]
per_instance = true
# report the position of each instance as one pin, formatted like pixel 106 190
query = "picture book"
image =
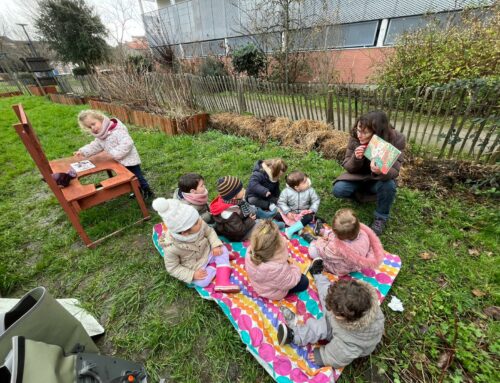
pixel 383 153
pixel 82 166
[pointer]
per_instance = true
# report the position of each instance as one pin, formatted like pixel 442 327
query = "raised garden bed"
pixel 10 94
pixel 67 99
pixel 36 91
pixel 189 125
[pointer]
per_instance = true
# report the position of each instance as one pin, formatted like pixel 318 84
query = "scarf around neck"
pixel 195 199
pixel 107 126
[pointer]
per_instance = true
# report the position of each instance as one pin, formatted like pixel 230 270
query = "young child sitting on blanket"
pixel 192 191
pixel 352 323
pixel 271 272
pixel 351 246
pixel 234 217
pixel 190 246
pixel 112 136
pixel 264 186
pixel 298 203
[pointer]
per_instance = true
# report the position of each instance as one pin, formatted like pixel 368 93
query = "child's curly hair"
pixel 264 241
pixel 349 299
pixel 89 113
pixel 345 224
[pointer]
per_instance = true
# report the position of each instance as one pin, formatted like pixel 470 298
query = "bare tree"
pixel 285 28
pixel 118 17
pixel 159 40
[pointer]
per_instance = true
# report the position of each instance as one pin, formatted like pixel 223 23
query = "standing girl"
pixel 112 137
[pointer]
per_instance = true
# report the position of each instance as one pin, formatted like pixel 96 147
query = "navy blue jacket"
pixel 260 184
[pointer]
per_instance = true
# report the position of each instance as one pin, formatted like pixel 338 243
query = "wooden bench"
pixel 77 197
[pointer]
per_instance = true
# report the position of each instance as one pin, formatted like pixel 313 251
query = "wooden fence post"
pixel 242 106
pixel 329 108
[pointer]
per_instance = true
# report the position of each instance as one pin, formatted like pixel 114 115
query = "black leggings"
pixel 307 219
pixel 301 286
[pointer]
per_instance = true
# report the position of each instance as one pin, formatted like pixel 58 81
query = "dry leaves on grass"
pixel 478 293
pixel 426 256
pixel 493 312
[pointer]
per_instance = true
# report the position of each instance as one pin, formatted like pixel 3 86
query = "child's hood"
pixel 348 250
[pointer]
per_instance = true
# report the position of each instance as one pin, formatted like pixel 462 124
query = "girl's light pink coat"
pixel 343 257
pixel 273 279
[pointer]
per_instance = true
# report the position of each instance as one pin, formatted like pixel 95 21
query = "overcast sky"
pixel 16 11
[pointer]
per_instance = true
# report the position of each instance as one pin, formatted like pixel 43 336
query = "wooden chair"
pixel 77 197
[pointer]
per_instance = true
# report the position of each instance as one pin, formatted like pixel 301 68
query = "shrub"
pixel 139 63
pixel 212 66
pixel 468 49
pixel 249 59
pixel 80 71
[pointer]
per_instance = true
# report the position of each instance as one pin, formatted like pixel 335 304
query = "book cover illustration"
pixel 82 166
pixel 382 153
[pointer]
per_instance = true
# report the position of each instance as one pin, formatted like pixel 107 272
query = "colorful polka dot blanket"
pixel 256 319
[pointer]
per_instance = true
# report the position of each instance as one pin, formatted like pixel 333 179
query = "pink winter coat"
pixel 273 279
pixel 342 257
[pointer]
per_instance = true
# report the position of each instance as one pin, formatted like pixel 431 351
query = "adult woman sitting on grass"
pixel 363 176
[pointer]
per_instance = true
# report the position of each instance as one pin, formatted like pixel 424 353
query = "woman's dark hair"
pixel 189 181
pixel 349 299
pixel 377 122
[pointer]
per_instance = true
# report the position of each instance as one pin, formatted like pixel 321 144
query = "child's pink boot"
pixel 222 283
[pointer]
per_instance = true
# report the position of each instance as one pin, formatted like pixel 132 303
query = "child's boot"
pixel 297 226
pixel 285 334
pixel 222 280
pixel 147 194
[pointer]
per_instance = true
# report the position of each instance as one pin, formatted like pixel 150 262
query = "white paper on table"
pixel 90 324
pixel 395 304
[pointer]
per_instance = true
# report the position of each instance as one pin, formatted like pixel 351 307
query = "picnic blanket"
pixel 256 319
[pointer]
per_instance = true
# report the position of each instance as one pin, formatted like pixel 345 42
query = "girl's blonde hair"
pixel 276 165
pixel 345 224
pixel 89 113
pixel 264 241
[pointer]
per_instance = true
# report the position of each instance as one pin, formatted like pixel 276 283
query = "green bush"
pixel 139 63
pixel 466 50
pixel 212 66
pixel 80 71
pixel 249 59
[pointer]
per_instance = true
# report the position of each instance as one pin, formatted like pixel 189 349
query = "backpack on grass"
pixel 40 341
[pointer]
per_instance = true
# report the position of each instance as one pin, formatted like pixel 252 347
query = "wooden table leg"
pixel 138 196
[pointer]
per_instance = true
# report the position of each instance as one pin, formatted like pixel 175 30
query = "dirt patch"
pixel 445 176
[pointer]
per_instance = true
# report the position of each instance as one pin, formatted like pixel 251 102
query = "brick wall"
pixel 353 66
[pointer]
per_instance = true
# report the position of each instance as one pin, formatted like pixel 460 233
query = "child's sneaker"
pixel 289 315
pixel 318 226
pixel 285 334
pixel 316 266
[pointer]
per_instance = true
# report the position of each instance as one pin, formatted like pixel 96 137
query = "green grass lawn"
pixel 152 318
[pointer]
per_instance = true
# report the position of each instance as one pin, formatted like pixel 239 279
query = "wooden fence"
pixel 458 121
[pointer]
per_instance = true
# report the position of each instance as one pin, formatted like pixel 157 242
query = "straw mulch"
pixel 304 135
